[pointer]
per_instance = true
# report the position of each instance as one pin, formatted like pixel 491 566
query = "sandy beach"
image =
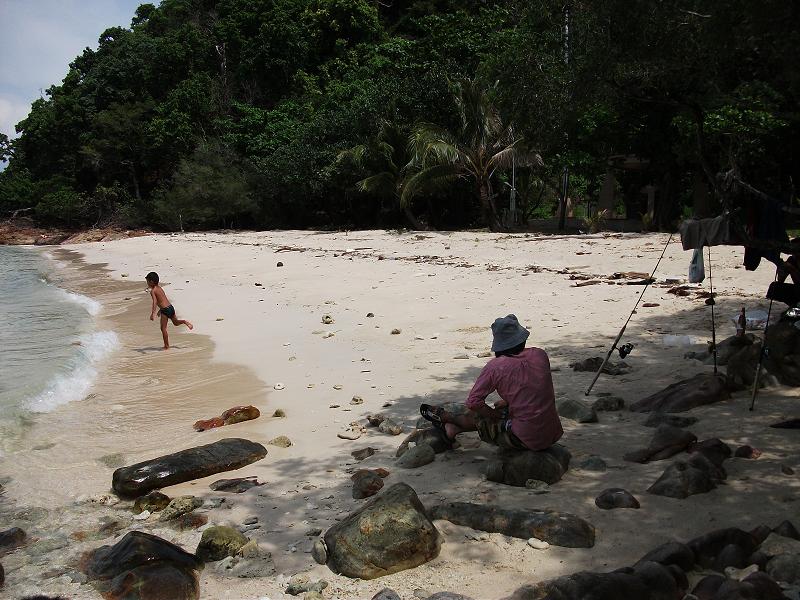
pixel 258 325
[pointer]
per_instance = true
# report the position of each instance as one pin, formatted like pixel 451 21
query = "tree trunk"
pixel 415 224
pixel 135 181
pixel 487 207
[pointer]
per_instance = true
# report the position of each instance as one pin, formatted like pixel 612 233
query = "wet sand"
pixel 442 290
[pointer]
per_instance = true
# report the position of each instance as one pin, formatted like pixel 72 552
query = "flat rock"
pixel 576 410
pixel 592 463
pixel 237 485
pixel 515 467
pixel 616 498
pixel 366 483
pixel 608 404
pixel 777 544
pixel 645 581
pixel 667 441
pixel 416 457
pixel 685 395
pixel 389 534
pixel 234 415
pixel 659 418
pixel 556 528
pixel 135 549
pixel 225 455
pixel 360 455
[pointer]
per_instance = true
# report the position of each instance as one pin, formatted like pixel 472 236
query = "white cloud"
pixel 38 40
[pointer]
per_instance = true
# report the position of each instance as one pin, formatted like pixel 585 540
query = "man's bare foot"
pixel 165 348
pixel 189 325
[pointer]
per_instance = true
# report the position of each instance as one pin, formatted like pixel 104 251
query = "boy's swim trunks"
pixel 168 311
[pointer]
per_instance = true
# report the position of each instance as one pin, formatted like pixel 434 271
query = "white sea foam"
pixel 74 385
pixel 91 305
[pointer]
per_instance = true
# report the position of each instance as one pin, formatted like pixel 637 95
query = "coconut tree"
pixel 481 146
pixel 388 157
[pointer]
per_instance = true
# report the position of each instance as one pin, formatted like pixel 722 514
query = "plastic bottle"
pixel 741 324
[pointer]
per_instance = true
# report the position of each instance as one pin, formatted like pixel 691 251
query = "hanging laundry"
pixel 696 233
pixel 697 270
pixel 765 224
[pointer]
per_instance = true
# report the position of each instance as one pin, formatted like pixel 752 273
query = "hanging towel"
pixel 696 233
pixel 697 270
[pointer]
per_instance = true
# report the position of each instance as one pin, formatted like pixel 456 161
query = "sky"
pixel 38 40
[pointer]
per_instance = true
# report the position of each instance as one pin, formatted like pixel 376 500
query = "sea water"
pixel 50 345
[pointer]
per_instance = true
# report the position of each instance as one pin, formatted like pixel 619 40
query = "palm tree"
pixel 481 146
pixel 388 153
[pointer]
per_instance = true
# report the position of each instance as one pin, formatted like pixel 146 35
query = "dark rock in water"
pixel 388 534
pixel 135 549
pixel 616 498
pixel 366 483
pixel 218 542
pixel 431 437
pixel 785 567
pixel 683 479
pixel 386 594
pixel 158 581
pixel 416 457
pixel 555 528
pixel 577 410
pixel 515 467
pixel 646 581
pixel 608 404
pixel 594 363
pixel 707 547
pixel 592 463
pixel 671 553
pixel 238 485
pixel 747 452
pixel 659 418
pixel 713 449
pixel 234 415
pixel 685 395
pixel 153 502
pixel 787 529
pixel 707 587
pixel 790 424
pixel 193 463
pixel 667 441
pixel 11 538
pixel 731 555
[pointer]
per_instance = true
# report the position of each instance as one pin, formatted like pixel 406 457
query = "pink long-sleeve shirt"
pixel 525 382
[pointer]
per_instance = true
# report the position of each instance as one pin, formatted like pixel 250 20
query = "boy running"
pixel 166 310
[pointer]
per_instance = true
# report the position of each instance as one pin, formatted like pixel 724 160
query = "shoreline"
pixel 444 289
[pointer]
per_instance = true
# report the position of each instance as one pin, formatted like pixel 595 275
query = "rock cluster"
pixel 237 414
pixel 697 474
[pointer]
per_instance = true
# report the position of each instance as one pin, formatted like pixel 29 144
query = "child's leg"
pixel 164 321
pixel 176 321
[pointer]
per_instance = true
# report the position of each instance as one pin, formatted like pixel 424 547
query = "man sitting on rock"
pixel 525 418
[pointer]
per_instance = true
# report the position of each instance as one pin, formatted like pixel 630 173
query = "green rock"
pixel 154 501
pixel 218 542
pixel 180 506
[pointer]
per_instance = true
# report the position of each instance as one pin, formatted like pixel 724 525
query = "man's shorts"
pixel 498 433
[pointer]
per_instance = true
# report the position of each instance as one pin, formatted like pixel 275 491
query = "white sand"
pixel 445 288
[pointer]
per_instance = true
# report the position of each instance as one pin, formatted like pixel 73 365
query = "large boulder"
pixel 685 395
pixel 388 534
pixel 684 478
pixel 193 463
pixel 142 565
pixel 645 581
pixel 516 467
pixel 556 528
pixel 667 441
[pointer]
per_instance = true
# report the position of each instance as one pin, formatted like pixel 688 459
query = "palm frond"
pixel 355 155
pixel 430 178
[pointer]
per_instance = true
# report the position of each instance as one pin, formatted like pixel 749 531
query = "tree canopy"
pixel 218 113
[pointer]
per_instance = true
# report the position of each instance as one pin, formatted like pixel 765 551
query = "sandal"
pixel 432 413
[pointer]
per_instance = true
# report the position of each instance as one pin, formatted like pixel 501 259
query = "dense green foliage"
pixel 342 113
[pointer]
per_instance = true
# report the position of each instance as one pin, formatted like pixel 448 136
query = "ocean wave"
pixel 75 384
pixel 91 305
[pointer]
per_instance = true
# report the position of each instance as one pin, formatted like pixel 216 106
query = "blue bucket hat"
pixel 507 333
